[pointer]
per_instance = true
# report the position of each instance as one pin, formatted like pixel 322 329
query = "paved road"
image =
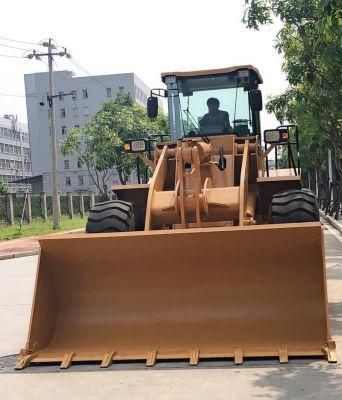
pixel 300 379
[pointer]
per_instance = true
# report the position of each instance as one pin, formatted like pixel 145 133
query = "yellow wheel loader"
pixel 219 255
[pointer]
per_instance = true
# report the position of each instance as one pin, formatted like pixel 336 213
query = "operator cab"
pixel 212 102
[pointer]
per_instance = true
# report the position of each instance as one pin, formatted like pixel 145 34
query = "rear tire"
pixel 111 216
pixel 291 206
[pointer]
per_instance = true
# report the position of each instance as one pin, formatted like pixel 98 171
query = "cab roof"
pixel 218 71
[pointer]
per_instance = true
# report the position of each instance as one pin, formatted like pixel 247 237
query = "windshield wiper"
pixel 196 125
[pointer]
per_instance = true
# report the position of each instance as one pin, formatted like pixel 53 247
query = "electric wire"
pixel 9 56
pixel 13 47
pixel 79 66
pixel 18 95
pixel 19 41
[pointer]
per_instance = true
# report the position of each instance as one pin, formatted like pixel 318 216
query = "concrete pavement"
pixel 19 248
pixel 16 291
pixel 300 379
pixel 27 246
pixel 337 224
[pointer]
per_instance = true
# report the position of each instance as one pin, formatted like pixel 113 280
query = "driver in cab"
pixel 215 118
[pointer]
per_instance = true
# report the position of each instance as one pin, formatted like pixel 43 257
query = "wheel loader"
pixel 219 255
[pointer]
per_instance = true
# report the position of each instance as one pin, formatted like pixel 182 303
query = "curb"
pixel 18 255
pixel 331 221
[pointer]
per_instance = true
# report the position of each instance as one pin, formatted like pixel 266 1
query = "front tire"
pixel 111 216
pixel 291 206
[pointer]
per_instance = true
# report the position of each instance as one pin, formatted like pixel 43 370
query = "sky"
pixel 146 37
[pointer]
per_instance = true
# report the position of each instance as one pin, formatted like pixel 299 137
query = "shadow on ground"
pixel 335 317
pixel 314 382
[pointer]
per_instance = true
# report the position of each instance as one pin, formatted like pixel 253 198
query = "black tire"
pixel 290 206
pixel 111 216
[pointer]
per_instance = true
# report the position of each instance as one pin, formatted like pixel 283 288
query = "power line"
pixel 8 56
pixel 79 66
pixel 69 87
pixel 19 41
pixel 91 93
pixel 13 47
pixel 18 95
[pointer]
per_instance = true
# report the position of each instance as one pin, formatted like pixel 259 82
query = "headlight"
pixel 135 146
pixel 272 136
pixel 276 135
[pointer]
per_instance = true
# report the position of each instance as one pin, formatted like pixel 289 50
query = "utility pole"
pixel 55 200
pixel 50 98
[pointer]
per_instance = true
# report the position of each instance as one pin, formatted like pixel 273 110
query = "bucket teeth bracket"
pixel 24 360
pixel 330 351
pixel 108 359
pixel 67 360
pixel 151 358
pixel 283 355
pixel 238 355
pixel 194 357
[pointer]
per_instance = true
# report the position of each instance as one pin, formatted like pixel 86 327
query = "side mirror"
pixel 255 100
pixel 152 107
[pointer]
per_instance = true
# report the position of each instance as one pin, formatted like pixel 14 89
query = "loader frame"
pixel 202 276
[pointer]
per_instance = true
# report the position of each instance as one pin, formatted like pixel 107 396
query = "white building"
pixel 91 92
pixel 15 157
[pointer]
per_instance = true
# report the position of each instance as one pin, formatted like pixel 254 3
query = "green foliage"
pixel 99 145
pixel 3 188
pixel 39 227
pixel 311 43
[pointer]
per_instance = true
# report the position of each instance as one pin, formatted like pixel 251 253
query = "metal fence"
pixel 39 206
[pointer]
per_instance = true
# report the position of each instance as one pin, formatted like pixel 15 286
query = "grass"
pixel 39 227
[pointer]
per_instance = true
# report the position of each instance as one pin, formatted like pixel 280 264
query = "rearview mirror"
pixel 255 100
pixel 152 107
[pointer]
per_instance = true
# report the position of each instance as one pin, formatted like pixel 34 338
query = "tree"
pixel 310 41
pixel 3 188
pixel 100 144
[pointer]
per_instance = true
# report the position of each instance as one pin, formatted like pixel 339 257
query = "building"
pixel 15 157
pixel 89 92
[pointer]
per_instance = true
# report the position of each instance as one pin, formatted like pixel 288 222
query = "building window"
pixel 66 164
pixel 75 110
pixel 79 163
pixel 85 93
pixel 68 181
pixel 85 111
pixel 121 88
pixel 62 112
pixel 74 95
pixel 80 180
pixel 61 96
pixel 77 126
pixel 109 92
pixel 64 130
pixel 49 113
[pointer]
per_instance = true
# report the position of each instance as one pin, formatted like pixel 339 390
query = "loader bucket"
pixel 175 294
